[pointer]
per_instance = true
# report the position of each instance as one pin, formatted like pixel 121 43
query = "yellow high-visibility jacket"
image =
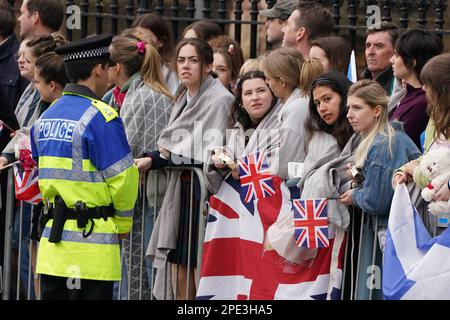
pixel 83 154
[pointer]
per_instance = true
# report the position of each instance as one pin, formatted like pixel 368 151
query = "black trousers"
pixel 60 288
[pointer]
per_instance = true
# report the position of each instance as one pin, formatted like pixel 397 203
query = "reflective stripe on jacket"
pixel 83 154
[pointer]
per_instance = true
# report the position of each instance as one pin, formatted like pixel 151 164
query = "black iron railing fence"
pixel 350 16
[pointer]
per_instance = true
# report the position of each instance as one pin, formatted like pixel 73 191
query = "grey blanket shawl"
pixel 194 128
pixel 323 177
pixel 27 112
pixel 292 116
pixel 197 125
pixel 322 181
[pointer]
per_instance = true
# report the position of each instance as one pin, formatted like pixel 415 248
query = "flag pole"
pixel 351 72
pixel 6 126
pixel 9 165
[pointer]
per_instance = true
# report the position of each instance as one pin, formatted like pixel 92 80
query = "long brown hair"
pixel 205 57
pixel 435 76
pixel 338 52
pixel 124 50
pixel 204 29
pixel 161 30
pixel 231 51
pixel 341 129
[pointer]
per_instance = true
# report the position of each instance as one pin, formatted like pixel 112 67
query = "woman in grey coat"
pixel 290 76
pixel 327 133
pixel 145 110
pixel 197 124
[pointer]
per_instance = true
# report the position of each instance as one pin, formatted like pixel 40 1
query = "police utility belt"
pixel 60 214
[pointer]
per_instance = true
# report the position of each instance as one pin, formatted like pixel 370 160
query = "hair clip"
pixel 140 46
pixel 230 49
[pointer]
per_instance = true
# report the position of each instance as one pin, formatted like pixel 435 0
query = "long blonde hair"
pixel 288 64
pixel 373 94
pixel 148 63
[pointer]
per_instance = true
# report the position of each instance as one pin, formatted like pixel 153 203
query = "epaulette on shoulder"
pixel 107 111
pixel 53 102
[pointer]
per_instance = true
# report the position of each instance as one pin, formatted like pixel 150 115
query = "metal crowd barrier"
pixel 136 284
pixel 14 284
pixel 359 279
pixel 135 281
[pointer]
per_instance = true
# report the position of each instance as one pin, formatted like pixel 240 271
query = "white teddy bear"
pixel 436 166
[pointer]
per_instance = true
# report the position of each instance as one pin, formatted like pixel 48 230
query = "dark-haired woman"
pixel 205 30
pixel 412 51
pixel 156 30
pixel 253 124
pixel 327 133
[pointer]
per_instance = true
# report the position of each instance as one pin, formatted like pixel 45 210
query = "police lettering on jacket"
pixel 56 129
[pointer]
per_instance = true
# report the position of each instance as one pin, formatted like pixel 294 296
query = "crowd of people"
pixel 104 110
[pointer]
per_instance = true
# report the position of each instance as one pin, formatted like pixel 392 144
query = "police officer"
pixel 87 179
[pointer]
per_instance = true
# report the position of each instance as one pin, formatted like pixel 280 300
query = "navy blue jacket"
pixel 10 78
pixel 8 117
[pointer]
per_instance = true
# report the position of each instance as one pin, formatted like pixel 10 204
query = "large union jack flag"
pixel 256 180
pixel 311 223
pixel 26 184
pixel 236 264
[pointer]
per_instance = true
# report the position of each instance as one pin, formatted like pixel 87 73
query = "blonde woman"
pixel 383 148
pixel 290 78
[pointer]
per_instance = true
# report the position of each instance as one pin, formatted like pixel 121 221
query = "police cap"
pixel 90 47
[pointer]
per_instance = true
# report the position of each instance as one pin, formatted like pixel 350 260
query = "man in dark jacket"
pixel 8 117
pixel 380 43
pixel 10 80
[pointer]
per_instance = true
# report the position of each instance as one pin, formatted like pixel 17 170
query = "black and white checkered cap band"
pixel 93 53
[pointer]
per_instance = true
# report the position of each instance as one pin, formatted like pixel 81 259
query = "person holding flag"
pixel 327 132
pixel 253 122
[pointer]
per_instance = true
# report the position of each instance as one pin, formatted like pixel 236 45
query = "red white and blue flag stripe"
pixel 311 223
pixel 256 180
pixel 26 184
pixel 237 266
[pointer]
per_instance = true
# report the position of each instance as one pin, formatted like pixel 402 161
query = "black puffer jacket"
pixel 10 79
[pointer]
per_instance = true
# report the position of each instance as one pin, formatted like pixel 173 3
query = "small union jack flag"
pixel 256 180
pixel 26 184
pixel 311 223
